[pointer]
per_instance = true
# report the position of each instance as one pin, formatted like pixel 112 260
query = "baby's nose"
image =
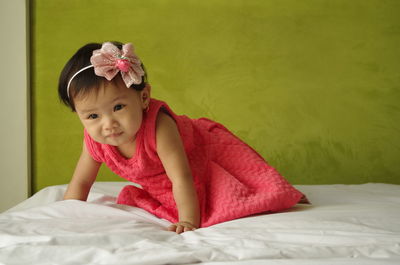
pixel 110 123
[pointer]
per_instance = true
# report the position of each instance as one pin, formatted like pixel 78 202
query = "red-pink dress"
pixel 231 179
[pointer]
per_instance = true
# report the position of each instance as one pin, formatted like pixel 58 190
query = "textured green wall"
pixel 313 85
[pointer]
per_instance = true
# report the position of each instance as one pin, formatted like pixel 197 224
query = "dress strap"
pixel 150 120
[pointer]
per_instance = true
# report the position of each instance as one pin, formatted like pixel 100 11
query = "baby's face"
pixel 113 114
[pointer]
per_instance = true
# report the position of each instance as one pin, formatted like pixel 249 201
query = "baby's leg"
pixel 137 197
pixel 133 196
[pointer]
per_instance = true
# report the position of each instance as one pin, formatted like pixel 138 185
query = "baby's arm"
pixel 173 157
pixel 83 178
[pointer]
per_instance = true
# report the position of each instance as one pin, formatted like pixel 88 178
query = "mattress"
pixel 345 224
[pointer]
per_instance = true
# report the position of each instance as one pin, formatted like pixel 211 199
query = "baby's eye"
pixel 118 107
pixel 93 116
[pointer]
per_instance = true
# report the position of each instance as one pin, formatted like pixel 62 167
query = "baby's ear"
pixel 148 87
pixel 145 94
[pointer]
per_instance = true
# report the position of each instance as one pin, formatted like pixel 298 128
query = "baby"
pixel 193 172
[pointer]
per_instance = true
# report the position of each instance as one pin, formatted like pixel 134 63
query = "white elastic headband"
pixel 69 82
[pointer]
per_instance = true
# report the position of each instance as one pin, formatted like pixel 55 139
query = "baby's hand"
pixel 181 227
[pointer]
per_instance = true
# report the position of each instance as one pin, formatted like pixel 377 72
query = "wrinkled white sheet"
pixel 346 224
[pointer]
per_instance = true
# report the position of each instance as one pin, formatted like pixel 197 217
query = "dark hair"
pixel 87 80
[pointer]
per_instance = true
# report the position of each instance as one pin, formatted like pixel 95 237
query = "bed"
pixel 346 224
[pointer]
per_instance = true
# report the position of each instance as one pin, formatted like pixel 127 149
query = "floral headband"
pixel 109 60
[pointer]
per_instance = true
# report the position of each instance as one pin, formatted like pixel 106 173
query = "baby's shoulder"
pixel 164 121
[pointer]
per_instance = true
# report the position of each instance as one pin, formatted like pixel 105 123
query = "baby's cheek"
pixel 95 134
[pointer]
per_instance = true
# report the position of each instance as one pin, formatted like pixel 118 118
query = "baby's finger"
pixel 189 229
pixel 172 228
pixel 179 229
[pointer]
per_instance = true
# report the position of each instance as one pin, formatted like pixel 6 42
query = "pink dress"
pixel 231 179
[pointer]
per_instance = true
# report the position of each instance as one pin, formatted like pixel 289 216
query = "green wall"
pixel 313 85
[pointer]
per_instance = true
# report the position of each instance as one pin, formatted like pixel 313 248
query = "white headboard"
pixel 14 103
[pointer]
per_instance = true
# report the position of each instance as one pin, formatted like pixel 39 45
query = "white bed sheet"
pixel 346 224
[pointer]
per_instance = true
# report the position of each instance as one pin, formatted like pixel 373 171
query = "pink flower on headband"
pixel 110 60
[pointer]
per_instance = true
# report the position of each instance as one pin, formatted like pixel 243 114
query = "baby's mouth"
pixel 114 135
